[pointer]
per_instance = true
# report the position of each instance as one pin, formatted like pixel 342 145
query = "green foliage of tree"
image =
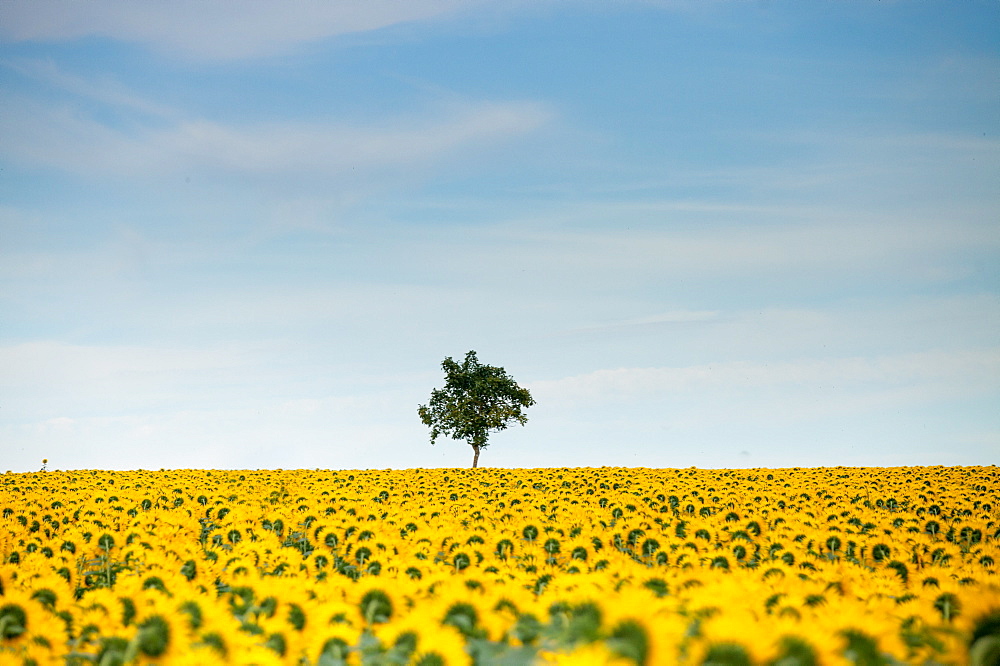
pixel 475 400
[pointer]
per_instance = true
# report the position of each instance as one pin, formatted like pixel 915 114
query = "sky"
pixel 712 233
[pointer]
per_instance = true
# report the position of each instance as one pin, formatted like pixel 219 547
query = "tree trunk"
pixel 475 457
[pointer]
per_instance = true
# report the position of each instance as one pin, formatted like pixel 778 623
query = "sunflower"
pixel 593 654
pixel 27 626
pixel 445 642
pixel 159 637
pixel 337 636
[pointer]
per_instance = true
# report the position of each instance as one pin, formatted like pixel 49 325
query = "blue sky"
pixel 721 234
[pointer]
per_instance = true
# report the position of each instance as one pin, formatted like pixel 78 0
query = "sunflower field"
pixel 501 566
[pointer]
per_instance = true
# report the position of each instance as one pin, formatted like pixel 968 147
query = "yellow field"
pixel 493 566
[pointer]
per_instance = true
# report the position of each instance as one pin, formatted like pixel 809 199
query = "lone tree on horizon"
pixel 476 399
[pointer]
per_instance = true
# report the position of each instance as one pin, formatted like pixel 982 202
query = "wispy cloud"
pixel 40 135
pixel 210 31
pixel 280 147
pixel 680 317
pixel 976 369
pixel 787 390
pixel 665 240
pixel 58 380
pixel 104 90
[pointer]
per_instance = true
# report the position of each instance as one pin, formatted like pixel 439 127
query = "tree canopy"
pixel 475 400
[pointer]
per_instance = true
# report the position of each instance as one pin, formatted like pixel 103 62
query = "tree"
pixel 476 399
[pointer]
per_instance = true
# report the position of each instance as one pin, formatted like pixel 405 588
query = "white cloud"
pixel 53 380
pixel 211 30
pixel 104 90
pixel 931 374
pixel 224 439
pixel 674 317
pixel 673 247
pixel 295 147
pixel 43 361
pixel 59 137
